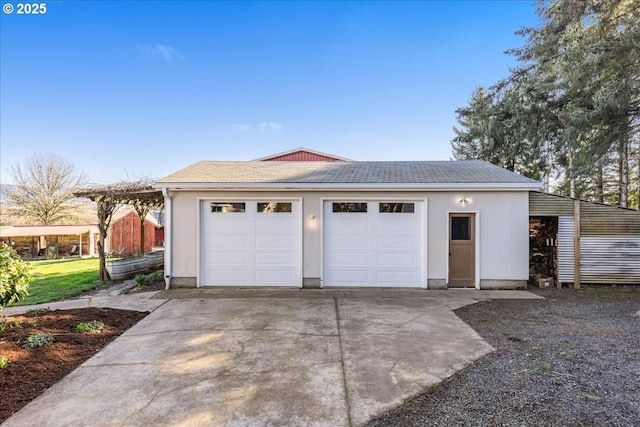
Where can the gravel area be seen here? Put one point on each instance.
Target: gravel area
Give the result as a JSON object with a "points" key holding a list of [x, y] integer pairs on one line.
{"points": [[572, 359]]}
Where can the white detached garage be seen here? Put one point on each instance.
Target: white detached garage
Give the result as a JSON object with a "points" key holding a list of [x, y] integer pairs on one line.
{"points": [[347, 224]]}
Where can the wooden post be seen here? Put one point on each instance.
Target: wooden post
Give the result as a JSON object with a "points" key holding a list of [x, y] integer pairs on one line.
{"points": [[576, 244]]}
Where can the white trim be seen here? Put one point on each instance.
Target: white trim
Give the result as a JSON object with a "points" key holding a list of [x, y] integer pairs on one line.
{"points": [[476, 258], [300, 226], [425, 244], [270, 186], [168, 241], [423, 223]]}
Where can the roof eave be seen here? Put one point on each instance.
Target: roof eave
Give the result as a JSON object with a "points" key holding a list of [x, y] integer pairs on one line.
{"points": [[287, 186]]}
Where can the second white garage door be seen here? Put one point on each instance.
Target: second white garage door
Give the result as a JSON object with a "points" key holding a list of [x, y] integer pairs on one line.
{"points": [[249, 243], [373, 244]]}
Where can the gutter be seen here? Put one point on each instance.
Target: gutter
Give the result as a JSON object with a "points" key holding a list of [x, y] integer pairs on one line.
{"points": [[168, 241], [270, 186]]}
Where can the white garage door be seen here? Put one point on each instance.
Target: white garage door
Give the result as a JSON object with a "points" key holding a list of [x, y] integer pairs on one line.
{"points": [[248, 243], [373, 244]]}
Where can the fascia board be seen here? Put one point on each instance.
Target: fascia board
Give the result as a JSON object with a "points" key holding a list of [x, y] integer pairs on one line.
{"points": [[349, 186]]}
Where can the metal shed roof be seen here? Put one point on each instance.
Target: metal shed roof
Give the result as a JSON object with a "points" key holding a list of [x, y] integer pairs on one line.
{"points": [[47, 230]]}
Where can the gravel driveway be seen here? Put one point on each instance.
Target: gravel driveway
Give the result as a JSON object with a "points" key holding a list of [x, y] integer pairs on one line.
{"points": [[570, 360]]}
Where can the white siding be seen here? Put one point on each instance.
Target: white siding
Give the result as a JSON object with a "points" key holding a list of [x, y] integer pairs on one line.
{"points": [[502, 221]]}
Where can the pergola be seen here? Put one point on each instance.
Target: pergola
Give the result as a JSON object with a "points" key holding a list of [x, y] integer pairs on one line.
{"points": [[141, 195]]}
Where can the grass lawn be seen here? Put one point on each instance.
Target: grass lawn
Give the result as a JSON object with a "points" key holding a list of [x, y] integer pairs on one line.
{"points": [[54, 280]]}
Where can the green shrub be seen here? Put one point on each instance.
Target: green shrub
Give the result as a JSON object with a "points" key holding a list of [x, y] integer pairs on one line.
{"points": [[36, 312], [141, 280], [89, 327], [52, 253], [156, 276], [3, 326], [4, 363], [39, 340], [15, 276]]}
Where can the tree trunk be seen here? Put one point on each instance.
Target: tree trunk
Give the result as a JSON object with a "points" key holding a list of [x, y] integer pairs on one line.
{"points": [[638, 178], [600, 184], [623, 169], [572, 177]]}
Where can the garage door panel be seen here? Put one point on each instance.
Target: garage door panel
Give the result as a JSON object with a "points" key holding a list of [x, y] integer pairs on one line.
{"points": [[275, 258], [350, 276], [349, 258], [350, 225], [228, 226], [351, 242], [250, 248], [274, 242], [373, 248], [275, 277], [396, 278], [227, 258], [396, 259], [271, 226], [227, 243], [398, 242], [399, 226], [230, 277]]}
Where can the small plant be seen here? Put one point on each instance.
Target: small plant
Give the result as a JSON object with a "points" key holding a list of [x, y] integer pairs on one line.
{"points": [[103, 310], [156, 276], [141, 280], [90, 327], [33, 323], [4, 363], [39, 340], [590, 397], [36, 311], [17, 323], [3, 326], [52, 253]]}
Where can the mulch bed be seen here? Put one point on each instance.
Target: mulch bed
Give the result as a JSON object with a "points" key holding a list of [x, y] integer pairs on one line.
{"points": [[31, 371]]}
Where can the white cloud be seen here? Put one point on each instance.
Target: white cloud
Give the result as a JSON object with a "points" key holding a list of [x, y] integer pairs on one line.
{"points": [[167, 53], [243, 128], [270, 126], [263, 126]]}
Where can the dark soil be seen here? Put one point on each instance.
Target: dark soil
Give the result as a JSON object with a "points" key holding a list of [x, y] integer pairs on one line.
{"points": [[570, 360], [158, 285], [31, 371]]}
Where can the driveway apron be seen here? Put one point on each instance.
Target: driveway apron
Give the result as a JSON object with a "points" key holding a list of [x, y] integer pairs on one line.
{"points": [[263, 362]]}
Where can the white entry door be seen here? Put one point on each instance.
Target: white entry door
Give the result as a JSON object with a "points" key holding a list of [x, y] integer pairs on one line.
{"points": [[373, 244], [250, 243]]}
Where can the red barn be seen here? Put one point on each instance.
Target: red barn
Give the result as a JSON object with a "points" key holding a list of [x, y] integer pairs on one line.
{"points": [[303, 155], [123, 238]]}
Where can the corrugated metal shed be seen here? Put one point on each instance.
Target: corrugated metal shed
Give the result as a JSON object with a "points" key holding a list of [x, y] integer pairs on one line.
{"points": [[609, 239], [544, 204], [607, 221], [596, 219], [565, 249]]}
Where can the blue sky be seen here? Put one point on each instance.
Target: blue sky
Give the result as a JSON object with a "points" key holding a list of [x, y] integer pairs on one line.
{"points": [[128, 89]]}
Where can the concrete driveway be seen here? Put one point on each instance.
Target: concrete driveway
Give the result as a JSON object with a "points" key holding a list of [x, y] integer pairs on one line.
{"points": [[273, 358]]}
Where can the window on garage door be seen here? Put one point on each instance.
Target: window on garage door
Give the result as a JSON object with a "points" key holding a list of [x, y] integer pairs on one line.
{"points": [[389, 207], [349, 207], [226, 207], [274, 207]]}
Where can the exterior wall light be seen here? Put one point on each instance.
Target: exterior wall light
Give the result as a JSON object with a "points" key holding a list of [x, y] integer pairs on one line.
{"points": [[463, 200], [312, 216]]}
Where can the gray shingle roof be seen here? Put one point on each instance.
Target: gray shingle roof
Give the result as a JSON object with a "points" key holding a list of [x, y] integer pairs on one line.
{"points": [[396, 172]]}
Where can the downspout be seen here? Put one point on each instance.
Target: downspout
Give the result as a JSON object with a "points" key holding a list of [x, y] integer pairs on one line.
{"points": [[167, 237]]}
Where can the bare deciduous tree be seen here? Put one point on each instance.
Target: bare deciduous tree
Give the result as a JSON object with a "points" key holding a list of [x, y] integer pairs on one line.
{"points": [[44, 185]]}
